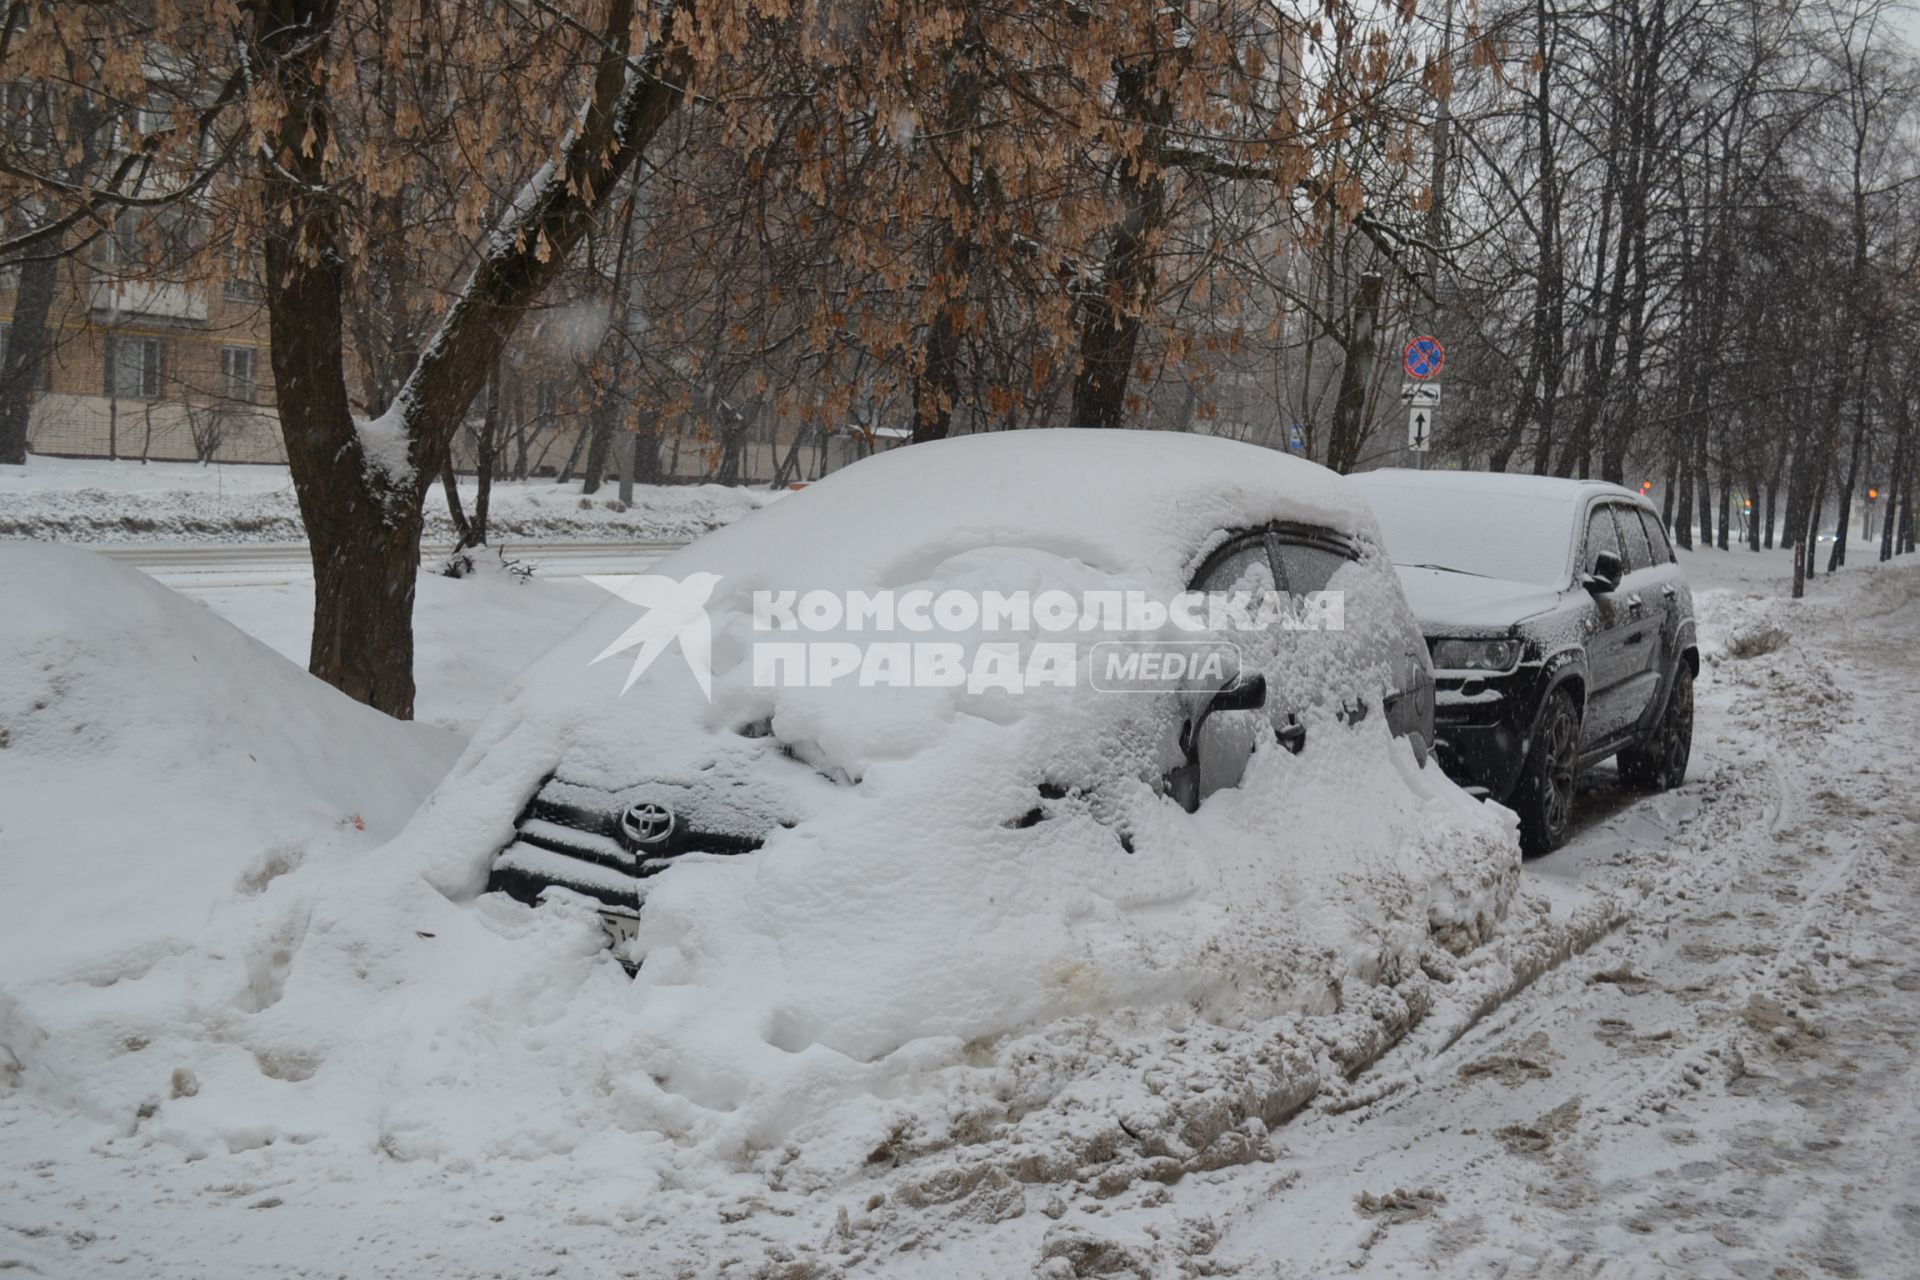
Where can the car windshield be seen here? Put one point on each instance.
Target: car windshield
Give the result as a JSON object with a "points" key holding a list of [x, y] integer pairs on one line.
{"points": [[1518, 537]]}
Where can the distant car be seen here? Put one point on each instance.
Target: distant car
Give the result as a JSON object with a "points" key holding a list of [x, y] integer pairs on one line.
{"points": [[1561, 630], [636, 784]]}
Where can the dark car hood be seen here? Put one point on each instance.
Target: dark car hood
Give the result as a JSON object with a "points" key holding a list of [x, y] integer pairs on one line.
{"points": [[1449, 603]]}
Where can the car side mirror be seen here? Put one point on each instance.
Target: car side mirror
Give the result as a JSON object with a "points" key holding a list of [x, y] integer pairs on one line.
{"points": [[1247, 691], [1606, 575]]}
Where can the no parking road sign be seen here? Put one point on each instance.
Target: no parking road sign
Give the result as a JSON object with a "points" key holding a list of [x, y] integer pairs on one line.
{"points": [[1424, 357]]}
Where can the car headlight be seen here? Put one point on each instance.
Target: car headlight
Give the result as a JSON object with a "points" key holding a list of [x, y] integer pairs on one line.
{"points": [[1475, 655]]}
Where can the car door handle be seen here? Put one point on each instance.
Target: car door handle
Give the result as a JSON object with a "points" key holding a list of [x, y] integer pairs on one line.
{"points": [[1634, 601], [1668, 591]]}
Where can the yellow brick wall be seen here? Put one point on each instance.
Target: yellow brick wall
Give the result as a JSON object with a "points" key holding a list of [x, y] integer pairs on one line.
{"points": [[75, 416]]}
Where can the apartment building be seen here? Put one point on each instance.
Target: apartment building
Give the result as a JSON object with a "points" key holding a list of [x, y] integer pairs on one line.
{"points": [[144, 368]]}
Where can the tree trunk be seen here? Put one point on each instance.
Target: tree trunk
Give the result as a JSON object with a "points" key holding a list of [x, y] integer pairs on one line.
{"points": [[1683, 518], [1896, 488], [30, 330], [1903, 539], [1668, 490], [361, 490], [611, 405], [1726, 499], [646, 449], [29, 347], [462, 527], [1704, 478], [1112, 312], [936, 387], [485, 451], [600, 442], [362, 532], [1549, 294], [363, 586], [789, 466], [1344, 442], [472, 530], [1500, 457], [1808, 545], [1773, 493], [1838, 556]]}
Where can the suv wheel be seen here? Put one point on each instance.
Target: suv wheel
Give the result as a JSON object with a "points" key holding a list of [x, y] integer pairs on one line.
{"points": [[1544, 797], [1660, 763]]}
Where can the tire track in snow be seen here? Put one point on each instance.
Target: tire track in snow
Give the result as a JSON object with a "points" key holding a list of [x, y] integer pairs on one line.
{"points": [[1646, 1148]]}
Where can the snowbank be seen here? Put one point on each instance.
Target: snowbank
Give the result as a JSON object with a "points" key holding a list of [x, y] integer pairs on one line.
{"points": [[159, 768], [87, 500]]}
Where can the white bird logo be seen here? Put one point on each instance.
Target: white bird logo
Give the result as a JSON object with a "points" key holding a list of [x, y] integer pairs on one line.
{"points": [[676, 610]]}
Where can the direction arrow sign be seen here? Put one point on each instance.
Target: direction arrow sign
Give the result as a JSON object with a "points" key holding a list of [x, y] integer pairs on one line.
{"points": [[1421, 395], [1420, 430]]}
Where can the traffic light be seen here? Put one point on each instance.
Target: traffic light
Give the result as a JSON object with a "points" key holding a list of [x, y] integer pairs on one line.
{"points": [[1646, 486], [1873, 495], [1749, 504]]}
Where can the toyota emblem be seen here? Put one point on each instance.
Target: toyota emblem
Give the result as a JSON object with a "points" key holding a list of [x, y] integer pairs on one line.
{"points": [[647, 823]]}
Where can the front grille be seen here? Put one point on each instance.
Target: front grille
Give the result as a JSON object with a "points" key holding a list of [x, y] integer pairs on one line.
{"points": [[569, 835]]}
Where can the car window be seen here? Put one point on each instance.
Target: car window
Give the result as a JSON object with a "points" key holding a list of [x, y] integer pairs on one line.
{"points": [[1455, 529], [1601, 536], [1634, 535], [1229, 567], [1308, 568], [1305, 557], [1657, 537]]}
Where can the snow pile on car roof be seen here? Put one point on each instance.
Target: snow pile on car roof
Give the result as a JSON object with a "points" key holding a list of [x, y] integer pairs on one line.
{"points": [[982, 917], [1134, 500]]}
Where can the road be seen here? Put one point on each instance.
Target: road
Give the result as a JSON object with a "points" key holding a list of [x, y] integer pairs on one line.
{"points": [[209, 565], [1726, 1084]]}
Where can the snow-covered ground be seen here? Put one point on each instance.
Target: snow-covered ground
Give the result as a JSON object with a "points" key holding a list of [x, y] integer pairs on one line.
{"points": [[1689, 1050], [472, 635], [96, 501]]}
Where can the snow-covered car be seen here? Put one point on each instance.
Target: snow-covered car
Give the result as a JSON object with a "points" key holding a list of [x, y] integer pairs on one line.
{"points": [[776, 759], [1561, 631]]}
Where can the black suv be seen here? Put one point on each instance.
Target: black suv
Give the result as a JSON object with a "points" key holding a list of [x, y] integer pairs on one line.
{"points": [[1561, 631]]}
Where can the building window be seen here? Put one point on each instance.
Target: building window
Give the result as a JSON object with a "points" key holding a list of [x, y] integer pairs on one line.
{"points": [[243, 277], [236, 374], [133, 367], [44, 380], [27, 109]]}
